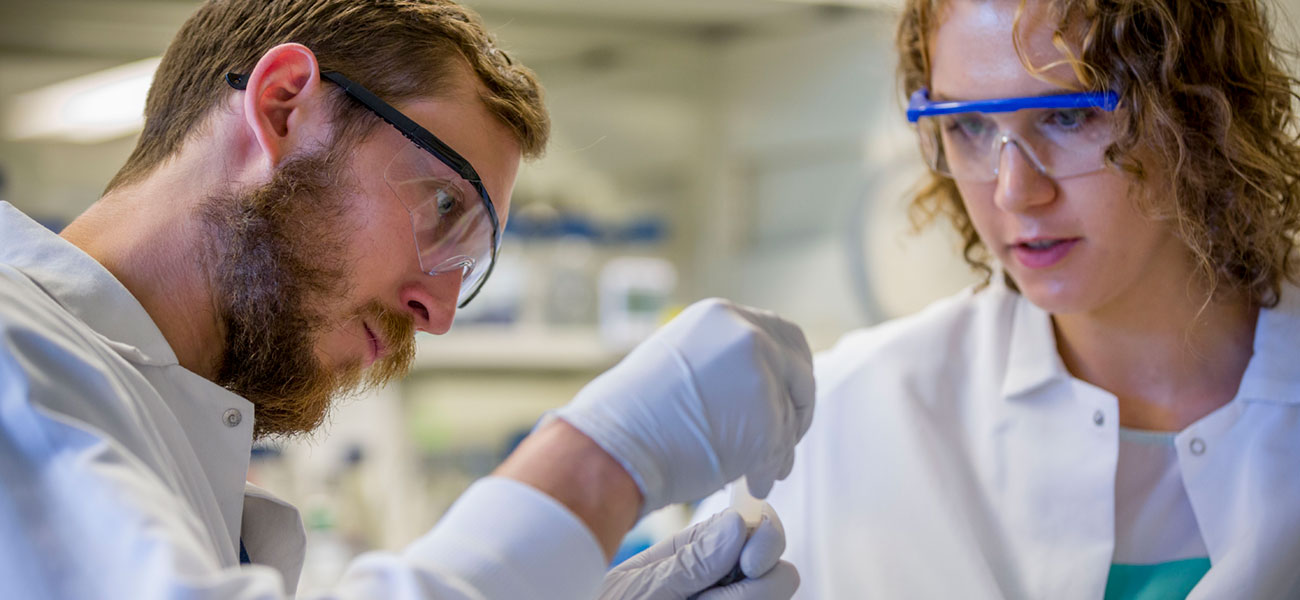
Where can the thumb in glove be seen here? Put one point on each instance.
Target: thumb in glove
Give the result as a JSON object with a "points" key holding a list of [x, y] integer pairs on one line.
{"points": [[676, 568]]}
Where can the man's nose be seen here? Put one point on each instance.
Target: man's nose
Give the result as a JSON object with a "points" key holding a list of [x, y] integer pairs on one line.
{"points": [[431, 301], [1021, 186]]}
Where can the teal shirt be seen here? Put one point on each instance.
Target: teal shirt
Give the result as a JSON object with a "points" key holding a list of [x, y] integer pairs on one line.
{"points": [[1161, 581]]}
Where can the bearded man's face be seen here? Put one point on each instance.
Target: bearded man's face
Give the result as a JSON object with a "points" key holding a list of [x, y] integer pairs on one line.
{"points": [[280, 267], [316, 274]]}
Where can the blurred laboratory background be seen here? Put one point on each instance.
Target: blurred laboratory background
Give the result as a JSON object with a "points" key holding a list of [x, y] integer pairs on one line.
{"points": [[751, 149]]}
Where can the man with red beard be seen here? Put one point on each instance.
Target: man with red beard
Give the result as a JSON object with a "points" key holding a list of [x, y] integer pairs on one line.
{"points": [[317, 180]]}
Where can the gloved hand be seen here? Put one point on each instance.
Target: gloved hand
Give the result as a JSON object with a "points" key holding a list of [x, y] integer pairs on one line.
{"points": [[719, 392], [697, 557]]}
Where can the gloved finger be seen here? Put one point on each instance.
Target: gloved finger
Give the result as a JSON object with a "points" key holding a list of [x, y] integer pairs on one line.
{"points": [[759, 484], [794, 359], [799, 399], [786, 466], [792, 349], [709, 555], [779, 584], [667, 547], [798, 372], [765, 545], [801, 385], [789, 334], [803, 395], [781, 463]]}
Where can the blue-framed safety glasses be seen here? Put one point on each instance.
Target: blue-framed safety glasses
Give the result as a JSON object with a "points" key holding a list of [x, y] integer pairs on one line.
{"points": [[454, 223], [1061, 135]]}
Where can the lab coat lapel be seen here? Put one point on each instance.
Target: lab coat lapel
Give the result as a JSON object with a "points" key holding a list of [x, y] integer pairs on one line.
{"points": [[1241, 465], [1058, 497], [1032, 360], [273, 532]]}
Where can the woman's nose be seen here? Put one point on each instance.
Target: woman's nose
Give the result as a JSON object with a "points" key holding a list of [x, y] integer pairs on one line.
{"points": [[1021, 186]]}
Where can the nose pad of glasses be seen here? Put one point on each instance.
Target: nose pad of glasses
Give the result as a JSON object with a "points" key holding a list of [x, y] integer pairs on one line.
{"points": [[1025, 151], [460, 262]]}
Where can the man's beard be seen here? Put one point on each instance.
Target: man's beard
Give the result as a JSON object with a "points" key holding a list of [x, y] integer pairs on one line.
{"points": [[277, 259]]}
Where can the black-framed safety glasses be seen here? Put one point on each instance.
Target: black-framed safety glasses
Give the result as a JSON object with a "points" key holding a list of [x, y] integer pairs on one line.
{"points": [[437, 186]]}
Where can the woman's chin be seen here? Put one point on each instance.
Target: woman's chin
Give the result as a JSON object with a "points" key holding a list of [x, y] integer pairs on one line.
{"points": [[1054, 296]]}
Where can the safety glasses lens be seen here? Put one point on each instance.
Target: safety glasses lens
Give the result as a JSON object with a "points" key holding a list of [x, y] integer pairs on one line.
{"points": [[450, 221], [1060, 142]]}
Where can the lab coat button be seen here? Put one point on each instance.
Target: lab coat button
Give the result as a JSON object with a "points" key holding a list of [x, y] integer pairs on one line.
{"points": [[1197, 446], [232, 417], [1099, 418]]}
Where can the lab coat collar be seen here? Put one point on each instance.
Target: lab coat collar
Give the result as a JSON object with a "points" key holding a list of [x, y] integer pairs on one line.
{"points": [[87, 290], [1032, 360], [82, 286], [1273, 375]]}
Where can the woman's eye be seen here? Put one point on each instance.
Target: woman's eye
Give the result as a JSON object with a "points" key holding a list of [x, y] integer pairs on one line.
{"points": [[969, 125], [1069, 118]]}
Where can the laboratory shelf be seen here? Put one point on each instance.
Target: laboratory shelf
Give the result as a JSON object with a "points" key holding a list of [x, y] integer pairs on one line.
{"points": [[492, 348]]}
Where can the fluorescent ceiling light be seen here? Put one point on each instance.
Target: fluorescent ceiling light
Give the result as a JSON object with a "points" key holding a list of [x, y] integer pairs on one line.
{"points": [[87, 109]]}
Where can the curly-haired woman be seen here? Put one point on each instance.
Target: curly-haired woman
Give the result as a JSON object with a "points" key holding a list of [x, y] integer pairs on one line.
{"points": [[1116, 412]]}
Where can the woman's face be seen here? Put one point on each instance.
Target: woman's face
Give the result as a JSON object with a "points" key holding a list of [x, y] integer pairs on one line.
{"points": [[1072, 245]]}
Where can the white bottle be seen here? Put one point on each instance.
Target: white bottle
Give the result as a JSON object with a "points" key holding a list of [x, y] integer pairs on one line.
{"points": [[634, 295]]}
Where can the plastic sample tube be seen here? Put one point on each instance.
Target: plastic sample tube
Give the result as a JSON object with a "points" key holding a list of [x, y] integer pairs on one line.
{"points": [[749, 507], [751, 510]]}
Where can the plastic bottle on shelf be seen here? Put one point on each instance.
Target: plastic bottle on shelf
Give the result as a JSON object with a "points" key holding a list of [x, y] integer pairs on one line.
{"points": [[570, 296], [635, 287], [357, 523], [499, 302]]}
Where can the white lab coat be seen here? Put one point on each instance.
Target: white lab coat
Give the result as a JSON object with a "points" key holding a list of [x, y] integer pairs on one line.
{"points": [[953, 456], [122, 474]]}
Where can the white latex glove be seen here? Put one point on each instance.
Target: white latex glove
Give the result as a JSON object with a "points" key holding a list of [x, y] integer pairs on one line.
{"points": [[692, 561], [719, 392]]}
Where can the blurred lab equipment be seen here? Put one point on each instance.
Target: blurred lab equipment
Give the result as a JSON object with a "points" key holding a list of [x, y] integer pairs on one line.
{"points": [[636, 286], [634, 294]]}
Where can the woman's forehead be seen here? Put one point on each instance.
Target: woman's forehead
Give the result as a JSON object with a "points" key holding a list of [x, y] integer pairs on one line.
{"points": [[973, 54]]}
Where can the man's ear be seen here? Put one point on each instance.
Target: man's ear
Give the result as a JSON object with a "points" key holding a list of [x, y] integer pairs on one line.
{"points": [[284, 104]]}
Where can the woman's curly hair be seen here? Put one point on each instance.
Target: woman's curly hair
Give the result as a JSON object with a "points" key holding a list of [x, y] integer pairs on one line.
{"points": [[1204, 89]]}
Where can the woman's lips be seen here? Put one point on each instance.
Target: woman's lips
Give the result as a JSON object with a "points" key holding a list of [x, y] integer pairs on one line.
{"points": [[1041, 253]]}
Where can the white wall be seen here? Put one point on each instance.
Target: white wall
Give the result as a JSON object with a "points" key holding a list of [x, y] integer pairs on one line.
{"points": [[812, 152], [770, 151]]}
